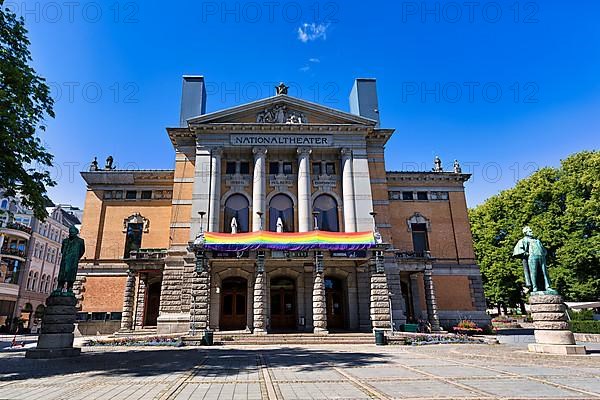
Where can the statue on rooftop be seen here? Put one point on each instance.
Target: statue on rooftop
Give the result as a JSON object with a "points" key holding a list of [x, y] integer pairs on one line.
{"points": [[109, 163], [437, 164], [94, 164], [457, 168], [533, 253]]}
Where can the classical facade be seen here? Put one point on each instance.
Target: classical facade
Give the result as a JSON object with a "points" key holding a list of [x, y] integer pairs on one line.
{"points": [[286, 166]]}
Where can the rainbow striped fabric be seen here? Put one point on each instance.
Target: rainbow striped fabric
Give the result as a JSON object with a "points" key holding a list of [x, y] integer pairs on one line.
{"points": [[292, 241]]}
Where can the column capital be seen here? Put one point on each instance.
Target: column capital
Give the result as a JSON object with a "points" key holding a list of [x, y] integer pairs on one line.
{"points": [[216, 151], [304, 151], [346, 152], [259, 151]]}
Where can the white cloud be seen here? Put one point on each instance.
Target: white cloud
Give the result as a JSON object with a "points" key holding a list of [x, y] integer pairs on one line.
{"points": [[314, 60], [305, 68], [309, 32]]}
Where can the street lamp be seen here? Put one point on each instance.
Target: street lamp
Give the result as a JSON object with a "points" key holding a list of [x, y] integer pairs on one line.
{"points": [[316, 220], [319, 262], [202, 214]]}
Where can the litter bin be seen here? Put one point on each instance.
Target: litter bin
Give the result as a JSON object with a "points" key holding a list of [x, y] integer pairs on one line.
{"points": [[379, 337], [208, 338]]}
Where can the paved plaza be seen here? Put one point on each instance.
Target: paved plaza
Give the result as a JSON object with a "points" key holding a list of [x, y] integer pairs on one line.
{"points": [[302, 372]]}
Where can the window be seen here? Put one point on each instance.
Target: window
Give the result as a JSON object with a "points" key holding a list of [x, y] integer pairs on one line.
{"points": [[98, 316], [4, 204], [407, 196], [330, 168], [146, 194], [421, 195], [237, 206], [118, 194], [29, 280], [419, 236], [287, 168], [133, 238], [317, 169], [115, 316], [244, 168], [439, 195], [281, 207], [230, 168], [327, 218], [130, 194], [108, 195], [274, 168], [34, 282]]}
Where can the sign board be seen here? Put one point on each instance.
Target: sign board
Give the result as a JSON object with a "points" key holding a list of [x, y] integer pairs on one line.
{"points": [[240, 139]]}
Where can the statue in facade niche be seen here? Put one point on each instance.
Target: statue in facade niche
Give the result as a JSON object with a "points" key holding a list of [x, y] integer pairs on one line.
{"points": [[533, 253], [71, 251], [234, 225], [279, 224]]}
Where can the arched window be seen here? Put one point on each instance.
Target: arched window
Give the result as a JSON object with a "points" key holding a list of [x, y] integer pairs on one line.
{"points": [[34, 283], [4, 204], [29, 279], [327, 218], [237, 206], [281, 206]]}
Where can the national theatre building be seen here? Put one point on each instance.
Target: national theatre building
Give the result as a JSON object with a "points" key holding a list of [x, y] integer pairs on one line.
{"points": [[279, 216]]}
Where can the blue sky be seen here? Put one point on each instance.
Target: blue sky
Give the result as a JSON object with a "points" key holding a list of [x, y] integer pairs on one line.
{"points": [[503, 86]]}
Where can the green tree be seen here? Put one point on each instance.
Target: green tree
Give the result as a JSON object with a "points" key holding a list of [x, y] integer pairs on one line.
{"points": [[562, 206], [24, 103]]}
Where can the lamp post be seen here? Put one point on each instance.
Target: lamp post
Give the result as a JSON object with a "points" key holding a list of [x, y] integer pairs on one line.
{"points": [[373, 214], [202, 214]]}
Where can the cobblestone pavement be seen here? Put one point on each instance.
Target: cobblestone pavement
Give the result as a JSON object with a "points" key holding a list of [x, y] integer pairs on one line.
{"points": [[302, 372]]}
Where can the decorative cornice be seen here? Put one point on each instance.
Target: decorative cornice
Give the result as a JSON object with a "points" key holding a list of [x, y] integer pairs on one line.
{"points": [[403, 176]]}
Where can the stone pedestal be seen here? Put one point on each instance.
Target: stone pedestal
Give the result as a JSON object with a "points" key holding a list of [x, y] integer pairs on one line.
{"points": [[551, 329], [58, 324]]}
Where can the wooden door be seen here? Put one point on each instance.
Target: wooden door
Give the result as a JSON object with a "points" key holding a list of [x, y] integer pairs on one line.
{"points": [[233, 304], [334, 296], [152, 304], [283, 304]]}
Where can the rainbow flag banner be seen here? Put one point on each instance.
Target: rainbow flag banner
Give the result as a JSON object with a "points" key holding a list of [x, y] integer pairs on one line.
{"points": [[291, 241]]}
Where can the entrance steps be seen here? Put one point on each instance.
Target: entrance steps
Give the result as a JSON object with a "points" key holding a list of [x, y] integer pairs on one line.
{"points": [[236, 338]]}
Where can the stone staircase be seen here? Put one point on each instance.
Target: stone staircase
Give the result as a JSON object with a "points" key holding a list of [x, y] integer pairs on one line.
{"points": [[230, 338]]}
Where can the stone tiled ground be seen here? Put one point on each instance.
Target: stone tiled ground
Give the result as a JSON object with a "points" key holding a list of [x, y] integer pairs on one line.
{"points": [[302, 372]]}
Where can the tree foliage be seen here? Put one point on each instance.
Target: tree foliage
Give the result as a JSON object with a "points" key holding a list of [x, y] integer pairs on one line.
{"points": [[24, 103], [562, 206]]}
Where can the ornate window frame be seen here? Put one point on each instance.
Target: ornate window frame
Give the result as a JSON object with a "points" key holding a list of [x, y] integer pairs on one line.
{"points": [[137, 218], [418, 218]]}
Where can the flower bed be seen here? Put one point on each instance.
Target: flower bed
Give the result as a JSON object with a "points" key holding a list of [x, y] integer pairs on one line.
{"points": [[426, 339], [467, 327], [134, 341]]}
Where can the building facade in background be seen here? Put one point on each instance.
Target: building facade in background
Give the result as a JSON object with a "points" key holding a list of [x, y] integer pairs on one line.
{"points": [[30, 259], [280, 164]]}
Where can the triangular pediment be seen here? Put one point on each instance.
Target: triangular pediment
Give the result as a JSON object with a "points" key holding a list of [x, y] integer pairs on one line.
{"points": [[281, 109]]}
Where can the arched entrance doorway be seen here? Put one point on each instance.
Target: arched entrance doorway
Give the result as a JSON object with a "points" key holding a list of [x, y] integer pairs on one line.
{"points": [[152, 304], [233, 304], [336, 308], [283, 304]]}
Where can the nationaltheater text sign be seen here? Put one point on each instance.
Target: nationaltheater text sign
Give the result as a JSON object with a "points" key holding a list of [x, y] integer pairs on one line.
{"points": [[281, 140]]}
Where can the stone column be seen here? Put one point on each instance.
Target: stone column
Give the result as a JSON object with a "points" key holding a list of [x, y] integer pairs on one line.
{"points": [[200, 309], [215, 189], [430, 300], [304, 190], [259, 186], [140, 302], [379, 301], [128, 298], [260, 295], [319, 304], [348, 191]]}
